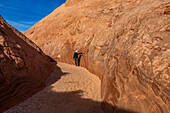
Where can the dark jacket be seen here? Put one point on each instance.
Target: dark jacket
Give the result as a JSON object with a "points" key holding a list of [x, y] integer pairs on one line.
{"points": [[75, 55]]}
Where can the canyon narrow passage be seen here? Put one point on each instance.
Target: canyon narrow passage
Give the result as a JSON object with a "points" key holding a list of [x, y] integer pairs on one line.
{"points": [[70, 89]]}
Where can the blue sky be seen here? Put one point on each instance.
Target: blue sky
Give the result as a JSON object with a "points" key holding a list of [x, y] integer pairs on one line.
{"points": [[22, 14]]}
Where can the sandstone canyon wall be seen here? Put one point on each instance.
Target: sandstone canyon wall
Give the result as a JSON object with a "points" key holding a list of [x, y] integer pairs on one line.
{"points": [[23, 67], [125, 42]]}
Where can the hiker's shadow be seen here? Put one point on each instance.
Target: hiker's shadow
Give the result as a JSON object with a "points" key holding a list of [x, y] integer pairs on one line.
{"points": [[56, 74], [79, 58]]}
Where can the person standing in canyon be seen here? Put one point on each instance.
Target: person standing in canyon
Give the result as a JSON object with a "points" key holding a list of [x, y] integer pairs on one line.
{"points": [[76, 57]]}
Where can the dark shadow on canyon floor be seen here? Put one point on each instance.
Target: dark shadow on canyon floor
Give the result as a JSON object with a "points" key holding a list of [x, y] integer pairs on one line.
{"points": [[56, 74], [54, 77], [73, 102], [66, 102]]}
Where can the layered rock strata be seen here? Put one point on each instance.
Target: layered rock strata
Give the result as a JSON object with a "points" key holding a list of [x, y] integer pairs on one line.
{"points": [[23, 67], [126, 43]]}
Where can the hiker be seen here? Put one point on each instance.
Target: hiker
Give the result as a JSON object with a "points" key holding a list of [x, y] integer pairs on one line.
{"points": [[76, 57]]}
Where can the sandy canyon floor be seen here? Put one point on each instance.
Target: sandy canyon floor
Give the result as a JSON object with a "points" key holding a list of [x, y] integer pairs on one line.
{"points": [[70, 89]]}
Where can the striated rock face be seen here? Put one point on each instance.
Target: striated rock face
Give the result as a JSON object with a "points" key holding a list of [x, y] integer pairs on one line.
{"points": [[125, 42], [72, 2], [23, 67]]}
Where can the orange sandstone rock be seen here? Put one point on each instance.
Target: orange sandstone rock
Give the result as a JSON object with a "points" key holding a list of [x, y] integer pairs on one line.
{"points": [[125, 43], [23, 67]]}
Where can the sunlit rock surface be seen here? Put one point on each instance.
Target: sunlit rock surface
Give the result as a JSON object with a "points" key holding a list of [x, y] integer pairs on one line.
{"points": [[125, 42]]}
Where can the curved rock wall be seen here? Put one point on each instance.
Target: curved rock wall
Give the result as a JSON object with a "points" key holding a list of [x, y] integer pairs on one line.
{"points": [[125, 43], [23, 67]]}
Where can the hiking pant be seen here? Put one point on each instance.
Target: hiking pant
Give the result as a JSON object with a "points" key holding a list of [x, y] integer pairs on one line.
{"points": [[76, 61]]}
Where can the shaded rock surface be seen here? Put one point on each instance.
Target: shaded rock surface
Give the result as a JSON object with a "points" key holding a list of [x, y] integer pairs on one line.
{"points": [[23, 67], [125, 42], [69, 89]]}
